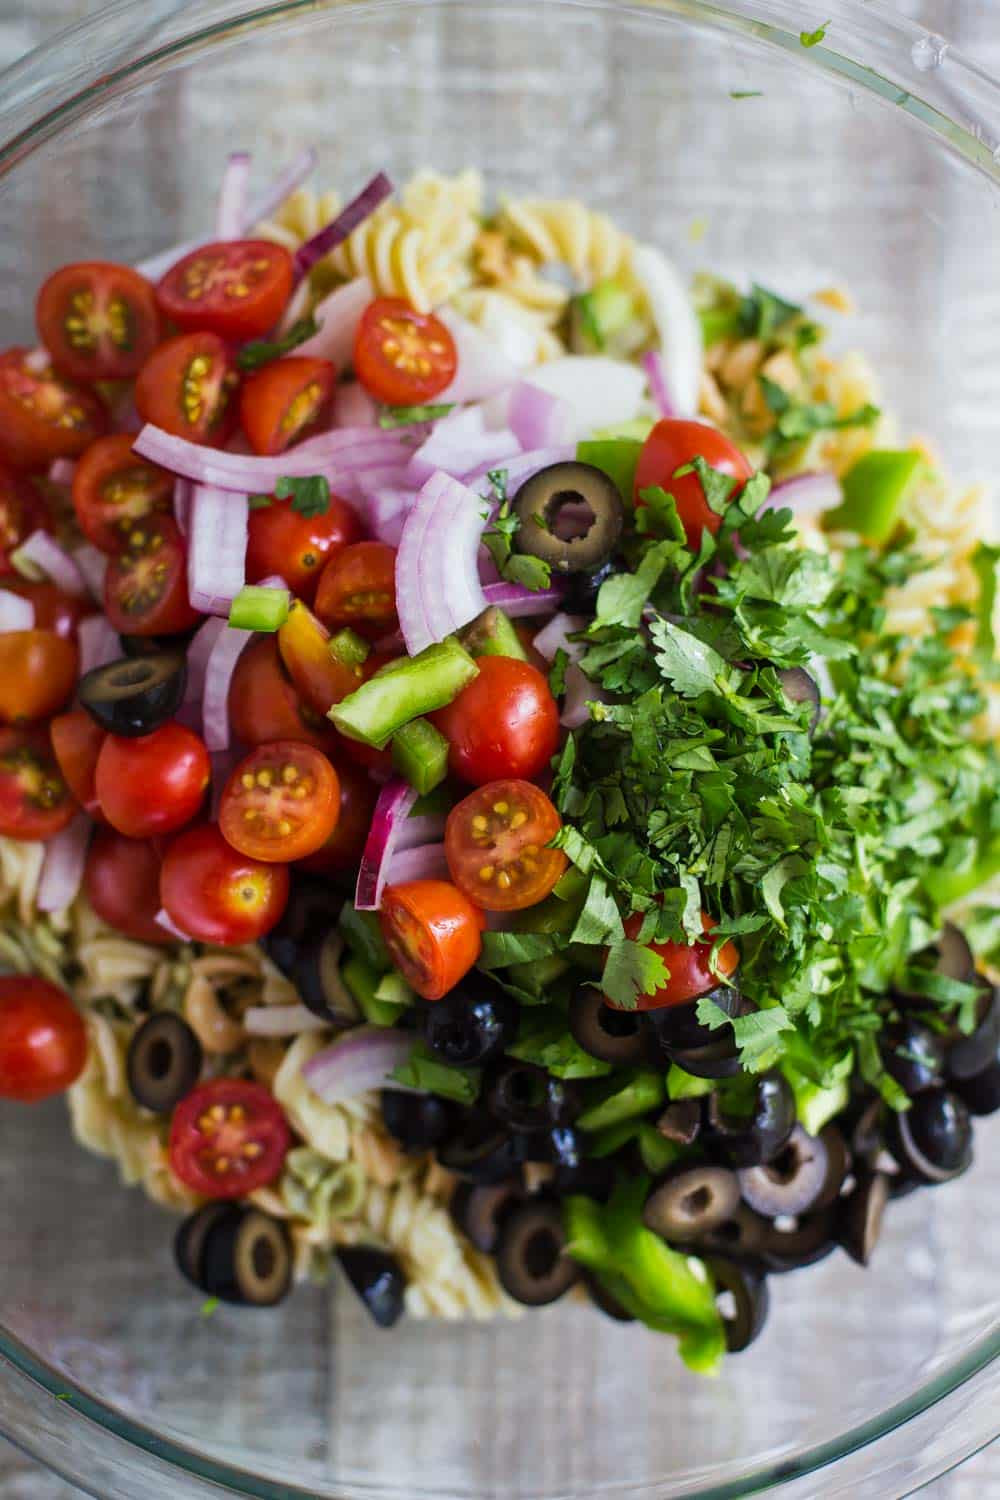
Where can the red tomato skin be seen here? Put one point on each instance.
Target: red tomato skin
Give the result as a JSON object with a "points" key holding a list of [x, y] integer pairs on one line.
{"points": [[281, 403], [109, 288], [264, 705], [154, 784], [690, 974], [153, 543], [34, 800], [76, 744], [342, 851], [261, 1119], [54, 610], [122, 883], [27, 439], [427, 358], [309, 810], [452, 928], [187, 386], [283, 541], [22, 511], [358, 590], [247, 316], [503, 725], [674, 443], [109, 458], [37, 674], [217, 895], [43, 1041]]}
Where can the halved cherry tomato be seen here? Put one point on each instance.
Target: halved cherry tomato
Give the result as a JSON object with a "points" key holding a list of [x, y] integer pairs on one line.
{"points": [[264, 706], [358, 590], [688, 966], [122, 882], [228, 1137], [186, 387], [218, 895], [282, 401], [98, 321], [113, 489], [343, 849], [43, 1041], [320, 677], [235, 288], [280, 803], [674, 443], [54, 609], [34, 799], [152, 784], [37, 674], [494, 842], [42, 416], [76, 743], [146, 585], [401, 356], [22, 511], [505, 722], [283, 541], [433, 933]]}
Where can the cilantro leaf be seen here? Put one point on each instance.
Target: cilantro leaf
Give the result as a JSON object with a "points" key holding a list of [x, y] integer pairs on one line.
{"points": [[599, 920], [427, 1073], [755, 1034], [557, 673], [406, 416], [630, 971], [259, 502], [503, 948], [716, 486], [986, 562], [262, 351], [658, 515], [622, 598], [813, 38], [310, 496], [746, 93], [690, 665], [797, 420], [516, 567]]}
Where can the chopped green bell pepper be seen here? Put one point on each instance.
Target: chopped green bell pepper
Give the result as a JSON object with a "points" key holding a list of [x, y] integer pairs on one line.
{"points": [[642, 1092], [404, 690], [420, 754], [874, 490], [492, 634]]}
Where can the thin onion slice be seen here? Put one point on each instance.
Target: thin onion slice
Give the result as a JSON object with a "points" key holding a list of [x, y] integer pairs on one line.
{"points": [[437, 572], [336, 455], [483, 368], [282, 1020], [599, 390], [519, 602], [394, 805], [183, 500], [63, 865], [807, 495], [218, 676], [555, 637], [677, 325], [333, 234], [16, 612], [231, 213], [198, 654], [517, 470], [353, 406], [61, 471], [281, 187], [217, 548], [43, 551], [418, 829], [425, 862], [459, 443], [338, 316], [360, 1060], [92, 566], [580, 692], [98, 642], [656, 371], [539, 419]]}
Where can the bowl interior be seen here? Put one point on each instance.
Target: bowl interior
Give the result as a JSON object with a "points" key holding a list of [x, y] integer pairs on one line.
{"points": [[816, 180]]}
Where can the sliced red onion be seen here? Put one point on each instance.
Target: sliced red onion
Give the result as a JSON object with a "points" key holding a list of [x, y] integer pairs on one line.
{"points": [[338, 316], [92, 566], [518, 469], [579, 692], [391, 477], [483, 368], [126, 416], [555, 637], [360, 1060], [395, 802], [437, 575], [282, 1020], [336, 455], [198, 653], [459, 443], [807, 494], [231, 213], [659, 388], [16, 612], [169, 925], [519, 602], [63, 865], [280, 187], [425, 862], [537, 418], [217, 548], [61, 471], [218, 677], [45, 552], [390, 531], [677, 325], [420, 828], [183, 500], [356, 212], [600, 391], [353, 407], [98, 642]]}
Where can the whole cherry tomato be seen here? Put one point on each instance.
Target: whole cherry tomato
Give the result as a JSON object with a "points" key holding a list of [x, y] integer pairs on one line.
{"points": [[495, 840], [235, 288], [153, 784], [228, 1137], [401, 356], [37, 674], [280, 403], [671, 445], [122, 882], [98, 321], [114, 490], [504, 723], [217, 895], [187, 386], [42, 416], [433, 933], [687, 965], [294, 546], [281, 802], [43, 1043]]}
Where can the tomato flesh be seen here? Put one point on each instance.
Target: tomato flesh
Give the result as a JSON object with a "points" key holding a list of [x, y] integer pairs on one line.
{"points": [[122, 882], [670, 446], [285, 542], [284, 400], [114, 490], [146, 585], [153, 784], [358, 590], [264, 705], [98, 321], [320, 677], [218, 895], [342, 850], [228, 1137], [37, 674], [42, 416], [433, 933], [688, 965], [401, 356], [494, 842], [280, 803], [43, 1042], [186, 387], [34, 800], [235, 288], [504, 723], [76, 744], [22, 511]]}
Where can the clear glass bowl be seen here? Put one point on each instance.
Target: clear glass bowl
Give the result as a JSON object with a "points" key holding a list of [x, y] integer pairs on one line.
{"points": [[871, 161]]}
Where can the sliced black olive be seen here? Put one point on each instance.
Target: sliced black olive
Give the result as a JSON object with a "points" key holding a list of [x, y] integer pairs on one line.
{"points": [[602, 1298], [312, 911], [866, 1133], [582, 589], [838, 1164], [933, 1138], [969, 1055], [614, 1036], [164, 1062], [812, 1239], [480, 1211], [483, 1152], [571, 516], [680, 1122], [913, 1055], [152, 645], [561, 1146], [743, 1234], [950, 956], [793, 1182], [192, 1235], [416, 1121], [688, 1201], [718, 1059], [472, 1024], [676, 1027], [531, 1260], [247, 1259], [860, 1215], [746, 1286], [524, 1097], [981, 1094], [753, 1140], [593, 1178], [797, 685], [378, 1279], [135, 695]]}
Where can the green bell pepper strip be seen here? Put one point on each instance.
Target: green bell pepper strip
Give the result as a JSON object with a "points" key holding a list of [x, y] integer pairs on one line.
{"points": [[404, 690], [420, 754], [599, 314], [642, 1092], [349, 648], [364, 983], [492, 634], [874, 490], [256, 608], [681, 1085]]}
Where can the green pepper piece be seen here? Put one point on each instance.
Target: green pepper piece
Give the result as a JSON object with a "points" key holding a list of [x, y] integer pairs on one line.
{"points": [[946, 886], [363, 935], [613, 1138], [597, 315], [349, 648], [392, 989], [403, 690], [256, 608], [616, 457], [815, 1106], [420, 754], [874, 490], [492, 634], [656, 1151], [537, 976], [681, 1085], [363, 982], [642, 1092]]}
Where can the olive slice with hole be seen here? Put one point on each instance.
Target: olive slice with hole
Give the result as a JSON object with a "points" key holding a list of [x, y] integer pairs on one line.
{"points": [[742, 1299], [192, 1236], [247, 1259], [680, 1122], [603, 1299], [689, 1200], [788, 1246], [483, 1151], [799, 687], [792, 1182], [755, 1139], [614, 1036], [676, 1027], [571, 516], [969, 1055], [479, 1211], [136, 695], [378, 1279], [163, 1063], [527, 1098], [742, 1234], [472, 1024], [718, 1059], [416, 1121], [981, 1094], [860, 1216], [866, 1133], [582, 589], [838, 1164], [532, 1263], [913, 1056], [951, 957], [933, 1138]]}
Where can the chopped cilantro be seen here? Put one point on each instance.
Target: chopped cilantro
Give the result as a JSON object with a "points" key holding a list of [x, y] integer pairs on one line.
{"points": [[630, 971], [813, 38], [746, 93], [557, 673], [262, 351], [310, 496], [796, 420], [516, 567], [406, 416], [210, 1306]]}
